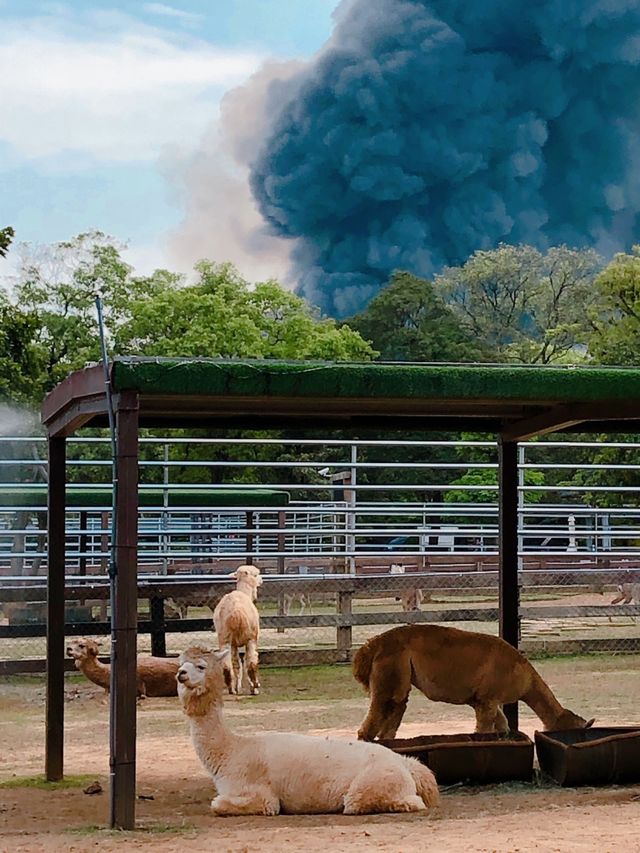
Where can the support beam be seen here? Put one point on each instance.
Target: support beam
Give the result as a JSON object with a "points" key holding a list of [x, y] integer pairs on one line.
{"points": [[508, 546], [124, 618], [551, 420], [54, 747]]}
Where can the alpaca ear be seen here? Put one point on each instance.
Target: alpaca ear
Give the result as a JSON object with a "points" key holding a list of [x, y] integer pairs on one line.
{"points": [[221, 654], [589, 723]]}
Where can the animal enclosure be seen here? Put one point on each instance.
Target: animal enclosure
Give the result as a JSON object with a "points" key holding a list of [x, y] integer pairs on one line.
{"points": [[175, 792]]}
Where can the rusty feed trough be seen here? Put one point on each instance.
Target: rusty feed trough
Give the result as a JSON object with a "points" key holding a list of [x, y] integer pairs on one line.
{"points": [[476, 759], [596, 756]]}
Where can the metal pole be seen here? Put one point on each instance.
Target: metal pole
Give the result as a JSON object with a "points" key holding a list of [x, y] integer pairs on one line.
{"points": [[54, 736], [124, 620]]}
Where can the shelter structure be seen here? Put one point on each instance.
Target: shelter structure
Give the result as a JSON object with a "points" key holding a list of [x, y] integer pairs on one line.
{"points": [[513, 402]]}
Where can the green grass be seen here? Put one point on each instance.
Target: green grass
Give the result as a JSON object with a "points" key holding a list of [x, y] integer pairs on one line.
{"points": [[39, 782], [307, 683]]}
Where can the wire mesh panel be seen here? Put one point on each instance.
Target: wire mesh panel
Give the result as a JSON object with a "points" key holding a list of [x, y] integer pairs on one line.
{"points": [[352, 537]]}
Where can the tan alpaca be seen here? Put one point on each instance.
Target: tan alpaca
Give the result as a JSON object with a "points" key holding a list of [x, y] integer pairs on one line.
{"points": [[411, 599], [302, 597], [628, 593], [449, 665], [273, 772], [237, 623], [155, 676]]}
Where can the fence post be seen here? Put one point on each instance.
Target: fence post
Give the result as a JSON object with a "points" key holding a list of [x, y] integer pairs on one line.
{"points": [[344, 634], [282, 544], [509, 594], [250, 524], [158, 627]]}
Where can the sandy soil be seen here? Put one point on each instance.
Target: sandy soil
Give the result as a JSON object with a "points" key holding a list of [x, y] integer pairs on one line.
{"points": [[173, 814]]}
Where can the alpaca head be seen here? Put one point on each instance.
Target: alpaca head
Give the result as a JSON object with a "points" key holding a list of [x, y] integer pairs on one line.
{"points": [[248, 576], [569, 720], [200, 678], [82, 649]]}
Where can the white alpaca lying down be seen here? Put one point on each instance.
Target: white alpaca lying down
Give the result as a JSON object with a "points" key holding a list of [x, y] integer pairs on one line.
{"points": [[276, 772]]}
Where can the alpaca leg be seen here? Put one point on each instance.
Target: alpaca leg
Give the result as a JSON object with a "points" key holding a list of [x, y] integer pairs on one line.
{"points": [[237, 669], [261, 802], [393, 720], [376, 791], [486, 714], [390, 683], [252, 666]]}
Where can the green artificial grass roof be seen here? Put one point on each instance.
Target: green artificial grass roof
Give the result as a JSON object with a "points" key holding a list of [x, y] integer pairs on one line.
{"points": [[517, 401], [247, 378], [100, 496]]}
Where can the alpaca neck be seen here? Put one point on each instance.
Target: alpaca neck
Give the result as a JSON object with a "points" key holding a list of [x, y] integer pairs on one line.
{"points": [[99, 673], [541, 700], [246, 588], [211, 738]]}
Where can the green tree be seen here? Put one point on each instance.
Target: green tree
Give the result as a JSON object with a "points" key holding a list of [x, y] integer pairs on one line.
{"points": [[408, 321], [221, 315], [6, 237], [527, 306], [615, 318], [21, 358]]}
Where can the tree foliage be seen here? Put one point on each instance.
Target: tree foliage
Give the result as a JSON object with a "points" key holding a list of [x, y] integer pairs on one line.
{"points": [[221, 315], [524, 305], [6, 238], [48, 327], [615, 319], [408, 321]]}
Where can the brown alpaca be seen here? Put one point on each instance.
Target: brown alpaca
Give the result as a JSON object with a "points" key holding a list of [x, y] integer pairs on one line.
{"points": [[449, 665], [155, 676]]}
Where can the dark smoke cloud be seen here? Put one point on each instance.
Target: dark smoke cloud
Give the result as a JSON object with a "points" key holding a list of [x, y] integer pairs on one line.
{"points": [[427, 129]]}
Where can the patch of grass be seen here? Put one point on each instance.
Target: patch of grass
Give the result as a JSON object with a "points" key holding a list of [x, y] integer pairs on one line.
{"points": [[71, 781], [307, 683]]}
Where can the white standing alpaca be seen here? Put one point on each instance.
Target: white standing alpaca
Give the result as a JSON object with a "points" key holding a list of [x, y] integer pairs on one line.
{"points": [[237, 623], [273, 772]]}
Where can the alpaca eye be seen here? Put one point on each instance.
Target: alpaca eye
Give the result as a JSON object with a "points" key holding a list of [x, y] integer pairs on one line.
{"points": [[201, 666]]}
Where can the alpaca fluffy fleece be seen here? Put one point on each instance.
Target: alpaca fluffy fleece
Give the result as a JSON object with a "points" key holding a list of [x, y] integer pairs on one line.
{"points": [[450, 665], [154, 676], [272, 772], [237, 623]]}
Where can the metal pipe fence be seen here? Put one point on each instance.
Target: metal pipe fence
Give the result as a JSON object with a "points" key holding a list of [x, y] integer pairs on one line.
{"points": [[351, 536]]}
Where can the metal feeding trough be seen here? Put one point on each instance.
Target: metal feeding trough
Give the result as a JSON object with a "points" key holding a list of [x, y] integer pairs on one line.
{"points": [[595, 756], [477, 759]]}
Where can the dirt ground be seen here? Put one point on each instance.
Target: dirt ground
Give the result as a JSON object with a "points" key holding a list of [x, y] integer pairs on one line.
{"points": [[174, 792]]}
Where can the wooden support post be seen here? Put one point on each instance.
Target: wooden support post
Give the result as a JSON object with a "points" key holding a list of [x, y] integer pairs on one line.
{"points": [[344, 634], [54, 749], [509, 598], [158, 627], [124, 619], [250, 523]]}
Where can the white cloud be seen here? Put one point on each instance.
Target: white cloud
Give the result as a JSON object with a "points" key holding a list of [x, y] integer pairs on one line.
{"points": [[188, 18], [107, 87]]}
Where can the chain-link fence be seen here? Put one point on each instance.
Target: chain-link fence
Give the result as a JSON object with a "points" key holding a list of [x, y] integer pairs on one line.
{"points": [[352, 537]]}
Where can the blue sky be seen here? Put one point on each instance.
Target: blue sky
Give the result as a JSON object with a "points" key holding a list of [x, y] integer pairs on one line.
{"points": [[100, 98]]}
